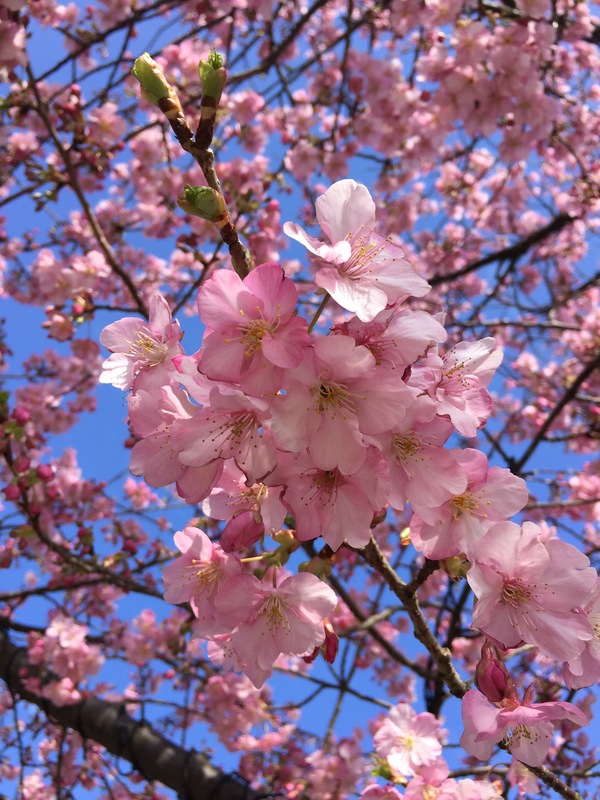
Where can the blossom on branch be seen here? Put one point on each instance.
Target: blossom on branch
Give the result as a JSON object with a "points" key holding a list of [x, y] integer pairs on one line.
{"points": [[407, 740], [253, 334], [141, 351], [525, 728], [528, 590], [361, 270], [268, 620]]}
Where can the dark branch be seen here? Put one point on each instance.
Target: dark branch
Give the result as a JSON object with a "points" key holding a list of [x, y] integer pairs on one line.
{"points": [[511, 253], [189, 773]]}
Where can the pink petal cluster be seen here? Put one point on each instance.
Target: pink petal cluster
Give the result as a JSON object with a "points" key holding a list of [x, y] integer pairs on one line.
{"points": [[268, 425], [361, 270], [491, 495], [529, 590], [253, 334], [141, 351], [525, 728], [408, 741], [256, 621]]}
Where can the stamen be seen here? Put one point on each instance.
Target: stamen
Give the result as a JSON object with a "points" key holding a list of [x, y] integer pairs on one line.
{"points": [[146, 347], [405, 445], [333, 397], [464, 504], [515, 594], [252, 335], [274, 611]]}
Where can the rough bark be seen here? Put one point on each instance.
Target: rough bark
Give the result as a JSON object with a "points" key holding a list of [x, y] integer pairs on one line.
{"points": [[187, 772]]}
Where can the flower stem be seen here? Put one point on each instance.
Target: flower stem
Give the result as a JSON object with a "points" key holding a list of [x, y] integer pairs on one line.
{"points": [[319, 311]]}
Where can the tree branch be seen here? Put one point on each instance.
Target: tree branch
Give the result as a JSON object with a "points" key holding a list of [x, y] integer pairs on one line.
{"points": [[187, 772], [511, 253]]}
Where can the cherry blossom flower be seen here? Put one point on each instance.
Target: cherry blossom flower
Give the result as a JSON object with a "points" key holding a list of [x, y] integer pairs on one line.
{"points": [[584, 668], [396, 338], [155, 456], [334, 397], [253, 333], [197, 575], [230, 427], [525, 728], [457, 382], [271, 620], [431, 782], [492, 494], [251, 511], [329, 503], [140, 347], [527, 590], [361, 270], [407, 740], [422, 470], [376, 792]]}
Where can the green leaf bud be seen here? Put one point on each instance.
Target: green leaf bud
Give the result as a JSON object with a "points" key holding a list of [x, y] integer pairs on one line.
{"points": [[213, 77], [204, 202], [153, 82]]}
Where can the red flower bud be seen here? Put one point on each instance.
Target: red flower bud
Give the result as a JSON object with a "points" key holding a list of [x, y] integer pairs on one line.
{"points": [[491, 676]]}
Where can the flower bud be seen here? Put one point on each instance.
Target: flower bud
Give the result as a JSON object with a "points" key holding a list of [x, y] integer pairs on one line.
{"points": [[405, 537], [213, 77], [329, 647], [203, 202], [12, 492], [21, 415], [316, 566], [153, 82], [456, 567], [491, 676], [331, 643]]}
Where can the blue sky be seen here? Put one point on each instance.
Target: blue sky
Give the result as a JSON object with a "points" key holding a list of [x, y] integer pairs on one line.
{"points": [[99, 436]]}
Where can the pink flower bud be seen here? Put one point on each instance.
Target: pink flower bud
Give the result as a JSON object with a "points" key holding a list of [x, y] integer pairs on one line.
{"points": [[22, 464], [21, 415], [45, 472], [12, 492], [491, 676], [332, 640]]}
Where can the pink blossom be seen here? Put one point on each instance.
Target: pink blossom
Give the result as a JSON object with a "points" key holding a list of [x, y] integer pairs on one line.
{"points": [[457, 382], [61, 692], [197, 575], [141, 347], [376, 792], [527, 590], [407, 740], [333, 398], [251, 511], [492, 494], [230, 427], [106, 125], [361, 270], [253, 333], [422, 470], [526, 728], [584, 668], [396, 338], [329, 503], [468, 789], [431, 782], [153, 416], [272, 620]]}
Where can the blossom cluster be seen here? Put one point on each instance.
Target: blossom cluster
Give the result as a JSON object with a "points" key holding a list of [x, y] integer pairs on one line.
{"points": [[275, 419]]}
